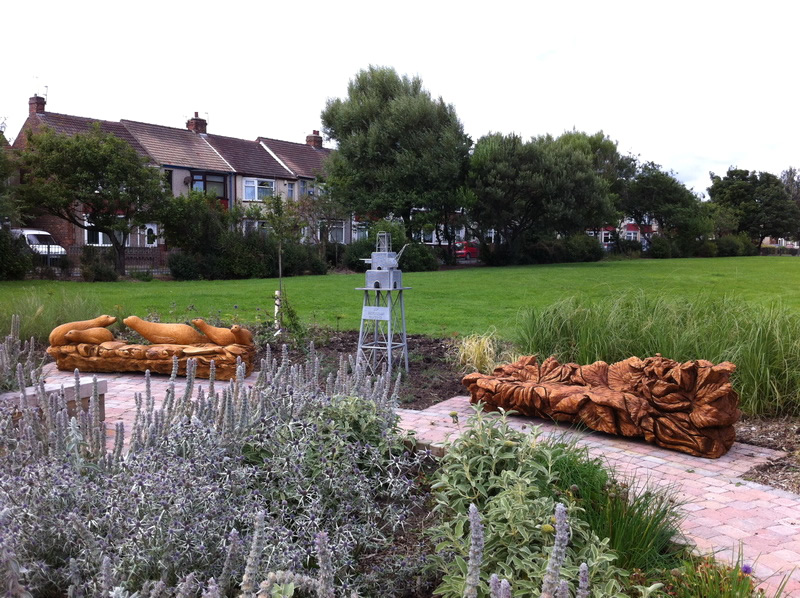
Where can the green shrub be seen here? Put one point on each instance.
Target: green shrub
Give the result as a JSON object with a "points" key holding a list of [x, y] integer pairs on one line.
{"points": [[142, 275], [418, 257], [728, 246], [356, 252], [746, 245], [628, 247], [183, 266], [15, 256], [583, 248], [97, 264], [707, 249], [660, 248], [762, 341]]}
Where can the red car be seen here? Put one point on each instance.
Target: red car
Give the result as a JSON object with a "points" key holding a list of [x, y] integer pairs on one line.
{"points": [[466, 251]]}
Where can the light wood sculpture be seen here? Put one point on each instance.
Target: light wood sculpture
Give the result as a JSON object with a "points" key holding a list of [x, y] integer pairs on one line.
{"points": [[689, 407], [90, 347], [57, 337], [156, 332], [218, 336]]}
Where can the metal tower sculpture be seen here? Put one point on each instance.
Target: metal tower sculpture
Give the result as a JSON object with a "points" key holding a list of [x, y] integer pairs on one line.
{"points": [[382, 337]]}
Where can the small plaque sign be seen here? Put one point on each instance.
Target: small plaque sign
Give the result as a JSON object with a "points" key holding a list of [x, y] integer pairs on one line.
{"points": [[374, 313]]}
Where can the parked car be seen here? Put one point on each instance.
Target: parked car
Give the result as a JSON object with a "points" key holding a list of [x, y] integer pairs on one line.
{"points": [[466, 250], [42, 244]]}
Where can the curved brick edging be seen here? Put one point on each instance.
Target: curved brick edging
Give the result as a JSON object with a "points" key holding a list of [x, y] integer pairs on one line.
{"points": [[721, 508]]}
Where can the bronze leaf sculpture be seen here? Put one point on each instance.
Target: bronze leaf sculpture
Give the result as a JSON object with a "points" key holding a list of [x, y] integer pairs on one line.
{"points": [[689, 407], [90, 347]]}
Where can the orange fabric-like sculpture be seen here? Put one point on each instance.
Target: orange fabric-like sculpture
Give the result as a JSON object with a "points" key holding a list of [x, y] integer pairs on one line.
{"points": [[689, 407]]}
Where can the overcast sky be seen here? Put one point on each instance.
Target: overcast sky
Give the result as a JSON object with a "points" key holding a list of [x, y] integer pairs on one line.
{"points": [[694, 86]]}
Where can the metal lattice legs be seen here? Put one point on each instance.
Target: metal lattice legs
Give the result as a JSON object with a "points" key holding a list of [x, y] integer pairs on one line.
{"points": [[382, 341]]}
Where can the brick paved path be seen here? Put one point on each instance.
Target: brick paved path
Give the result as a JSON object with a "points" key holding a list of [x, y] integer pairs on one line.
{"points": [[721, 508]]}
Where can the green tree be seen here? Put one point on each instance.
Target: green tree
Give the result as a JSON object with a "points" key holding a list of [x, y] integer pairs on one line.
{"points": [[93, 180], [196, 222], [653, 193], [534, 189], [399, 150], [759, 201]]}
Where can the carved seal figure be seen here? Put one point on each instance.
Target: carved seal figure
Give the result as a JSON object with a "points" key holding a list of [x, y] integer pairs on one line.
{"points": [[93, 336], [218, 336], [58, 335], [172, 334], [242, 335]]}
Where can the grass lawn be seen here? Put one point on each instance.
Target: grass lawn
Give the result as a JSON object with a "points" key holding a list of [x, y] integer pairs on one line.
{"points": [[440, 303]]}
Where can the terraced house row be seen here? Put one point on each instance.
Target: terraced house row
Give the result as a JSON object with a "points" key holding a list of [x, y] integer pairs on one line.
{"points": [[238, 171]]}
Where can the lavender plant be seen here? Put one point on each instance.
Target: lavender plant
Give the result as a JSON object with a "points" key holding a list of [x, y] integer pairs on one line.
{"points": [[173, 514]]}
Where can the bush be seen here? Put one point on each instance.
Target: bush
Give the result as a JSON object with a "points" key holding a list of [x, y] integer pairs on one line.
{"points": [[628, 247], [97, 264], [418, 257], [16, 258], [728, 246], [707, 249], [661, 248], [183, 266], [747, 247], [583, 248]]}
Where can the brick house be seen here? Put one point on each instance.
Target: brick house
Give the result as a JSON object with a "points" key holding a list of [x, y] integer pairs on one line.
{"points": [[240, 172]]}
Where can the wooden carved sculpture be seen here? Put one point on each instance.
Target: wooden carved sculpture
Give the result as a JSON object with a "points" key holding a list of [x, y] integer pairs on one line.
{"points": [[90, 347], [689, 407]]}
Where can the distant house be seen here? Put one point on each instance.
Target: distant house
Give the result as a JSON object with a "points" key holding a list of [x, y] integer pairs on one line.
{"points": [[238, 171], [627, 230]]}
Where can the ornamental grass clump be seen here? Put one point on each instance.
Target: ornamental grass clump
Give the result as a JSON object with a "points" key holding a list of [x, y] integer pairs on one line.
{"points": [[175, 514]]}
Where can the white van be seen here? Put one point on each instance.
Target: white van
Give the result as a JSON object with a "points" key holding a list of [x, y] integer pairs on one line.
{"points": [[41, 243]]}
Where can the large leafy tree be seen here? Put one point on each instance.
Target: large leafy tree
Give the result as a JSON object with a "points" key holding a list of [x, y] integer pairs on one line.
{"points": [[93, 180], [759, 201], [399, 149], [537, 188], [653, 193]]}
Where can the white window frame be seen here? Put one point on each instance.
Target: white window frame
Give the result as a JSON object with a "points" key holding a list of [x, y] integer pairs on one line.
{"points": [[256, 185]]}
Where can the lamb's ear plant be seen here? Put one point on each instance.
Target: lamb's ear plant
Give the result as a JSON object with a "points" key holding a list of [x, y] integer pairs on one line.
{"points": [[20, 364], [510, 477], [176, 509]]}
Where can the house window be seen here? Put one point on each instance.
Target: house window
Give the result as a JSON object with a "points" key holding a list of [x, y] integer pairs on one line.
{"points": [[335, 230], [213, 184], [150, 232], [606, 236], [290, 190], [306, 188], [258, 189], [96, 238], [360, 231], [631, 235]]}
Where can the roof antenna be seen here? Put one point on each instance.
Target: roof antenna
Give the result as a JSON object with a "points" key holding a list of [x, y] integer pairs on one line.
{"points": [[46, 88]]}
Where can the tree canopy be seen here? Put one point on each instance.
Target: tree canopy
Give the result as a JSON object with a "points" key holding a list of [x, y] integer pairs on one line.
{"points": [[399, 150], [759, 201], [653, 193], [93, 180], [537, 188]]}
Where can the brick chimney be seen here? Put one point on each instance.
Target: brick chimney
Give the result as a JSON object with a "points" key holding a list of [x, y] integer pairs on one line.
{"points": [[197, 124], [36, 105], [314, 140]]}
